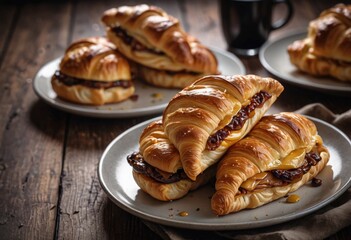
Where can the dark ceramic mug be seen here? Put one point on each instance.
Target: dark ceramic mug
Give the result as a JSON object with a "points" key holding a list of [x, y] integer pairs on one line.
{"points": [[246, 24]]}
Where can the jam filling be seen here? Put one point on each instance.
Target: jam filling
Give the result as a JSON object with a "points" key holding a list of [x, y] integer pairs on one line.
{"points": [[238, 121], [129, 40], [138, 46], [285, 177], [293, 175], [70, 81], [139, 165]]}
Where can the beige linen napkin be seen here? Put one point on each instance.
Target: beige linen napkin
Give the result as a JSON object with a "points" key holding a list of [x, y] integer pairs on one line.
{"points": [[318, 225]]}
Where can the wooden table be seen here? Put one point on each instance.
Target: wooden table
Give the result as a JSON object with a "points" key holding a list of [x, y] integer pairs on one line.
{"points": [[49, 187]]}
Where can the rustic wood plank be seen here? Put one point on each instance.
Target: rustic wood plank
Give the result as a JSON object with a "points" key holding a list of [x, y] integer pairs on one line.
{"points": [[31, 146], [85, 210], [7, 19]]}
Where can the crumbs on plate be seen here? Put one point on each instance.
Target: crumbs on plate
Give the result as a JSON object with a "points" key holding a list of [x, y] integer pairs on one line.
{"points": [[156, 97]]}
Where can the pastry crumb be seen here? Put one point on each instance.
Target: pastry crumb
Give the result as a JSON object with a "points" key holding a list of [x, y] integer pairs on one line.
{"points": [[156, 97], [183, 214]]}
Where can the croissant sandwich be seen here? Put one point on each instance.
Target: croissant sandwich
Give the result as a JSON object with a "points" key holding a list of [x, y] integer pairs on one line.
{"points": [[280, 154], [327, 49], [167, 56], [199, 124], [93, 72]]}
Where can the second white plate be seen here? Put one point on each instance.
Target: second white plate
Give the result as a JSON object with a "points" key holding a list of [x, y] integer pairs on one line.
{"points": [[275, 58], [150, 100]]}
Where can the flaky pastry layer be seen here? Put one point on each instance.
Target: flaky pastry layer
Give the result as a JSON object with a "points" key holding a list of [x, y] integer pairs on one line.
{"points": [[167, 79], [151, 37], [326, 50], [95, 58], [171, 191], [278, 141], [330, 33], [301, 56], [91, 96]]}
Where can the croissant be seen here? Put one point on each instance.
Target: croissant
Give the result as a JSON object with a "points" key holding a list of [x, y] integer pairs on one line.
{"points": [[93, 72], [207, 117], [197, 127], [149, 36], [300, 55], [326, 51], [330, 33], [151, 166], [280, 154]]}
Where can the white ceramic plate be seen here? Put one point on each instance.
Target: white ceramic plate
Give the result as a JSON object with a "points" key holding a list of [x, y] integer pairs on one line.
{"points": [[274, 57], [116, 178], [151, 100]]}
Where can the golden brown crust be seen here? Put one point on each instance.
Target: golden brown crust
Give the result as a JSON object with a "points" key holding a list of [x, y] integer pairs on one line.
{"points": [[260, 197], [330, 33], [156, 149], [278, 141], [96, 59], [91, 96], [202, 108], [326, 51], [169, 47], [301, 56], [93, 59], [171, 191], [162, 191], [166, 79], [208, 105]]}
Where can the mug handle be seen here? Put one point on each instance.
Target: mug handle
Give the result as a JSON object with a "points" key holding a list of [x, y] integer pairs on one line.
{"points": [[280, 23]]}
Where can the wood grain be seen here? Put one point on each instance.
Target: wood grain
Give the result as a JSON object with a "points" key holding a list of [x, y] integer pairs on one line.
{"points": [[85, 211], [31, 146]]}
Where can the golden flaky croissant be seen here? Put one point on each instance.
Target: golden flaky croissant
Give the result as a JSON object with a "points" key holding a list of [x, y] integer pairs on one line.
{"points": [[280, 154], [93, 72], [327, 49], [199, 124], [149, 36]]}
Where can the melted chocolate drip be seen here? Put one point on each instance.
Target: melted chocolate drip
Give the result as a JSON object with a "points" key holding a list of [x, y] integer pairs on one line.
{"points": [[139, 165], [70, 81], [129, 40]]}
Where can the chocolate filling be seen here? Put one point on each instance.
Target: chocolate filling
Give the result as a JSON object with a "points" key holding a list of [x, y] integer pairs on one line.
{"points": [[129, 40], [138, 46], [139, 165], [238, 121], [70, 81], [293, 175], [285, 177]]}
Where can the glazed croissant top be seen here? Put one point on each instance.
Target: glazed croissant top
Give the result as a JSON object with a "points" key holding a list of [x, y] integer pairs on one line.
{"points": [[157, 149], [277, 142], [95, 58], [204, 119], [161, 42], [330, 33]]}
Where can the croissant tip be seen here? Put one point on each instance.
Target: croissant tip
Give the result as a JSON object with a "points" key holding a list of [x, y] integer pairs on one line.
{"points": [[219, 203]]}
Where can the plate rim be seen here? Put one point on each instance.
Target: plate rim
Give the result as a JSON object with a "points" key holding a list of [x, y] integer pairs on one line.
{"points": [[212, 225], [126, 113], [325, 88]]}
